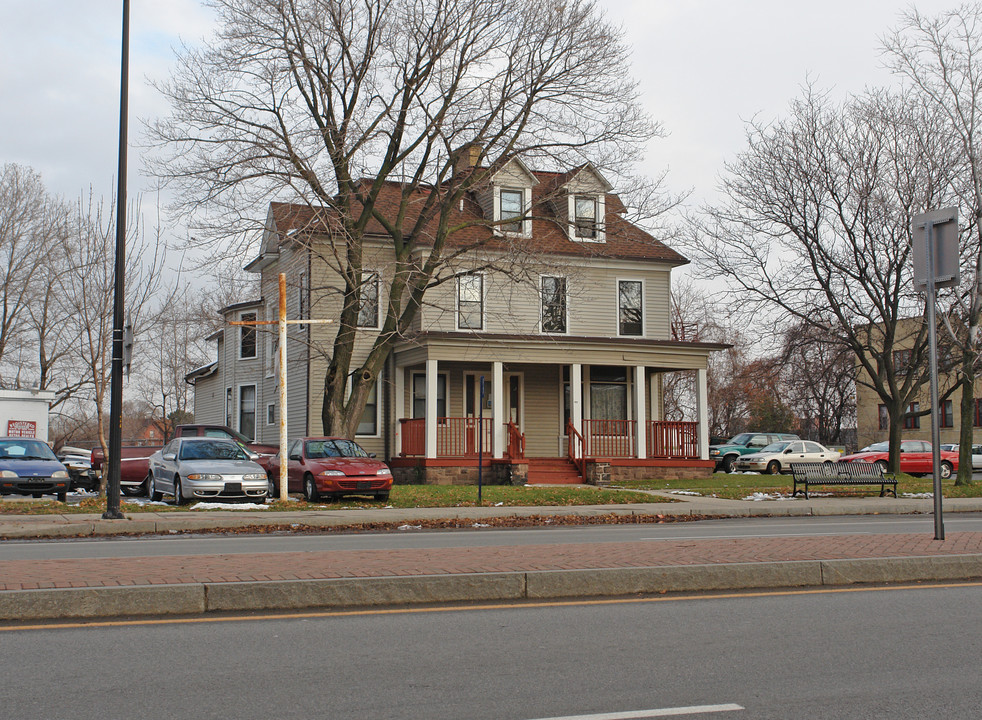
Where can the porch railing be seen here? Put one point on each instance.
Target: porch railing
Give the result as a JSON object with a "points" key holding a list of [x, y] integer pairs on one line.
{"points": [[455, 437], [516, 442], [668, 439], [609, 438], [575, 448]]}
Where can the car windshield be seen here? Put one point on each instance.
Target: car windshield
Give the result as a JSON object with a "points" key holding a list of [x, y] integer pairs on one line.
{"points": [[774, 447], [741, 439], [26, 450], [212, 450], [877, 447], [334, 448]]}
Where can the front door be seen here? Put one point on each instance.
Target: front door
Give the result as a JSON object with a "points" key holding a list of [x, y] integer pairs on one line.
{"points": [[514, 391]]}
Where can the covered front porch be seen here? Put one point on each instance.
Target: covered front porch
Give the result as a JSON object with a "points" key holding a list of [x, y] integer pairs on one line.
{"points": [[522, 410]]}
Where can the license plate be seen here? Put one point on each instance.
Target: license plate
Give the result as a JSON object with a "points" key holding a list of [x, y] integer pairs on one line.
{"points": [[363, 485], [233, 487]]}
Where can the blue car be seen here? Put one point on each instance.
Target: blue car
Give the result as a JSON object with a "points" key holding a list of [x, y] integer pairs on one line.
{"points": [[29, 467]]}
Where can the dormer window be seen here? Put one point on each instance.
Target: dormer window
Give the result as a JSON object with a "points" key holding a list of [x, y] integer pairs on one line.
{"points": [[511, 206], [586, 216]]}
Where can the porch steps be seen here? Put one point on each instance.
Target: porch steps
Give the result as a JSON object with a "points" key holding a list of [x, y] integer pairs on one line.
{"points": [[552, 471]]}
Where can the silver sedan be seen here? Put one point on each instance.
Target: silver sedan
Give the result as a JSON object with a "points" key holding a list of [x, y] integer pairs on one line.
{"points": [[205, 469]]}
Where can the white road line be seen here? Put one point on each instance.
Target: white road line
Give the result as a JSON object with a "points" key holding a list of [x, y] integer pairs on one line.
{"points": [[754, 537], [662, 712]]}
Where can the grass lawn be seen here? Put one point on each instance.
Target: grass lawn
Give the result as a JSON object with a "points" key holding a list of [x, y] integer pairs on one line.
{"points": [[736, 486], [403, 496]]}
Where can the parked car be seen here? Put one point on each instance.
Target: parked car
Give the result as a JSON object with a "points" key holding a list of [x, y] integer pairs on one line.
{"points": [[333, 467], [976, 453], [205, 469], [725, 454], [776, 457], [29, 467], [916, 457]]}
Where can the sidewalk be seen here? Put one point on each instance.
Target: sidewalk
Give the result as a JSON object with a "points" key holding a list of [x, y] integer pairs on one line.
{"points": [[336, 579]]}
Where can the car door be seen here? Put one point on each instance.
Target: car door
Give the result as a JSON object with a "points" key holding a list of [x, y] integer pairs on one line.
{"points": [[164, 473], [813, 452], [295, 467], [795, 452], [977, 457], [915, 457]]}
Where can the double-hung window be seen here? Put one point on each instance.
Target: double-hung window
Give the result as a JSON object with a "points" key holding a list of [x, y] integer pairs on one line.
{"points": [[247, 411], [419, 395], [912, 421], [368, 424], [368, 296], [511, 209], [553, 304], [630, 319], [470, 301], [585, 208]]}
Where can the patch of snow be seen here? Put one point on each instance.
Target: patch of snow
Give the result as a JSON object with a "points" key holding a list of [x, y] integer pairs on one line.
{"points": [[479, 525], [228, 506], [498, 504], [684, 492], [918, 496], [145, 501], [410, 527], [759, 496]]}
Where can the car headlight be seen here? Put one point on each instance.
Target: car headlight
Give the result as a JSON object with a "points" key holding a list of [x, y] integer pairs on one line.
{"points": [[9, 474], [254, 476], [384, 471], [331, 473], [714, 452], [59, 474], [204, 476]]}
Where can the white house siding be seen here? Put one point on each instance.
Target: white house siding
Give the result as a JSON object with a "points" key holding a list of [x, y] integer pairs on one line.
{"points": [[209, 400]]}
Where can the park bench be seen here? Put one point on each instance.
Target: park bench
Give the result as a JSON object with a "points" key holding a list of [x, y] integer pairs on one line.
{"points": [[846, 473]]}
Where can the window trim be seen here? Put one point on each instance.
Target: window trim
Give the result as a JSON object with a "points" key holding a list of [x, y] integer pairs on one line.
{"points": [[542, 329], [248, 329], [270, 412], [255, 410], [644, 318], [378, 408], [912, 422], [366, 274], [946, 415], [526, 223], [483, 313], [600, 208], [412, 392]]}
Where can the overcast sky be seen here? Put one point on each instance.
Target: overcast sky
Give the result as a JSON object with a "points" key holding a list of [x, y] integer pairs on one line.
{"points": [[705, 66]]}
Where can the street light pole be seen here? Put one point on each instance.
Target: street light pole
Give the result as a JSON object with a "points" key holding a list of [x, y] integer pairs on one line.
{"points": [[116, 368]]}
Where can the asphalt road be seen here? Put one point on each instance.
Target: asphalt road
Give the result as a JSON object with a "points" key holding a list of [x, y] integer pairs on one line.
{"points": [[731, 528], [902, 654]]}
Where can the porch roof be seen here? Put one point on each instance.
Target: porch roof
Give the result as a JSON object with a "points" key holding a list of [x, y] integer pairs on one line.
{"points": [[553, 350]]}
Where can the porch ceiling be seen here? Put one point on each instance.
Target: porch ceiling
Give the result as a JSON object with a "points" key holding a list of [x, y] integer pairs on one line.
{"points": [[553, 350]]}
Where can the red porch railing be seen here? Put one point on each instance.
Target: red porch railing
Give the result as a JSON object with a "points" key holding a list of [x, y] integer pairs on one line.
{"points": [[673, 440], [574, 448], [455, 437], [609, 438], [516, 442]]}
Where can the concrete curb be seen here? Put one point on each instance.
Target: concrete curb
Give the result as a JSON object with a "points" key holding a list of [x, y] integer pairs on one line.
{"points": [[202, 598]]}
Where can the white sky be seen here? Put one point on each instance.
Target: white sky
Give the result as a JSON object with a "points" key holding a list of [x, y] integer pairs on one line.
{"points": [[705, 66]]}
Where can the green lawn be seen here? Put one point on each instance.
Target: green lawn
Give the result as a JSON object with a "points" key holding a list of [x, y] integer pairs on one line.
{"points": [[403, 496], [737, 486]]}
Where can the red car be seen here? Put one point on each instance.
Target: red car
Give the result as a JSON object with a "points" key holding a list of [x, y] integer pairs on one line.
{"points": [[332, 467], [915, 458]]}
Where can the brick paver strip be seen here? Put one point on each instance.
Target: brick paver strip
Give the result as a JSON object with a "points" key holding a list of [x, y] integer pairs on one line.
{"points": [[177, 569]]}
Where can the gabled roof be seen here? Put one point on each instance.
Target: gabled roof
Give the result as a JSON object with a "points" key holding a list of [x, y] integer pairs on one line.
{"points": [[624, 239]]}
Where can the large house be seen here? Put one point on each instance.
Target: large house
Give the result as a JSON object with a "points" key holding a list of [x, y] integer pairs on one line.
{"points": [[562, 316]]}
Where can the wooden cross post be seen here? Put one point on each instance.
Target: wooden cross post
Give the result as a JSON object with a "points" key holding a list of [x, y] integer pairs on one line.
{"points": [[282, 323]]}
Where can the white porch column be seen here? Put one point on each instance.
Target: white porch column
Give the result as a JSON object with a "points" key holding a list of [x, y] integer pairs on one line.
{"points": [[702, 410], [498, 409], [576, 398], [399, 406], [431, 375], [640, 412]]}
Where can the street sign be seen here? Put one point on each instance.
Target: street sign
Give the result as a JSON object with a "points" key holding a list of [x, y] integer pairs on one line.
{"points": [[944, 237]]}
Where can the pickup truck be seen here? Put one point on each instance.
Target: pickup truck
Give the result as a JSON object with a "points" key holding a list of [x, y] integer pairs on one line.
{"points": [[135, 460], [724, 454]]}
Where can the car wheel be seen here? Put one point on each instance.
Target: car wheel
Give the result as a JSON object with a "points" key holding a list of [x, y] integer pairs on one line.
{"points": [[382, 496], [130, 491], [883, 464], [310, 492], [946, 470], [728, 462], [178, 491], [36, 496], [62, 496], [272, 489], [152, 491], [773, 468]]}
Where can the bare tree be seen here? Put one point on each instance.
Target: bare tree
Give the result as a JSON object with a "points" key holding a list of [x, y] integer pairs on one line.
{"points": [[815, 224], [941, 59], [87, 285], [332, 102]]}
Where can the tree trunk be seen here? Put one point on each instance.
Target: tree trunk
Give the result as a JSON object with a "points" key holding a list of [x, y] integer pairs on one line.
{"points": [[967, 419]]}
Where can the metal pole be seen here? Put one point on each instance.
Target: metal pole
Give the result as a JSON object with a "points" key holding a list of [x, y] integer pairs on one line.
{"points": [[116, 368], [284, 460], [933, 352]]}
